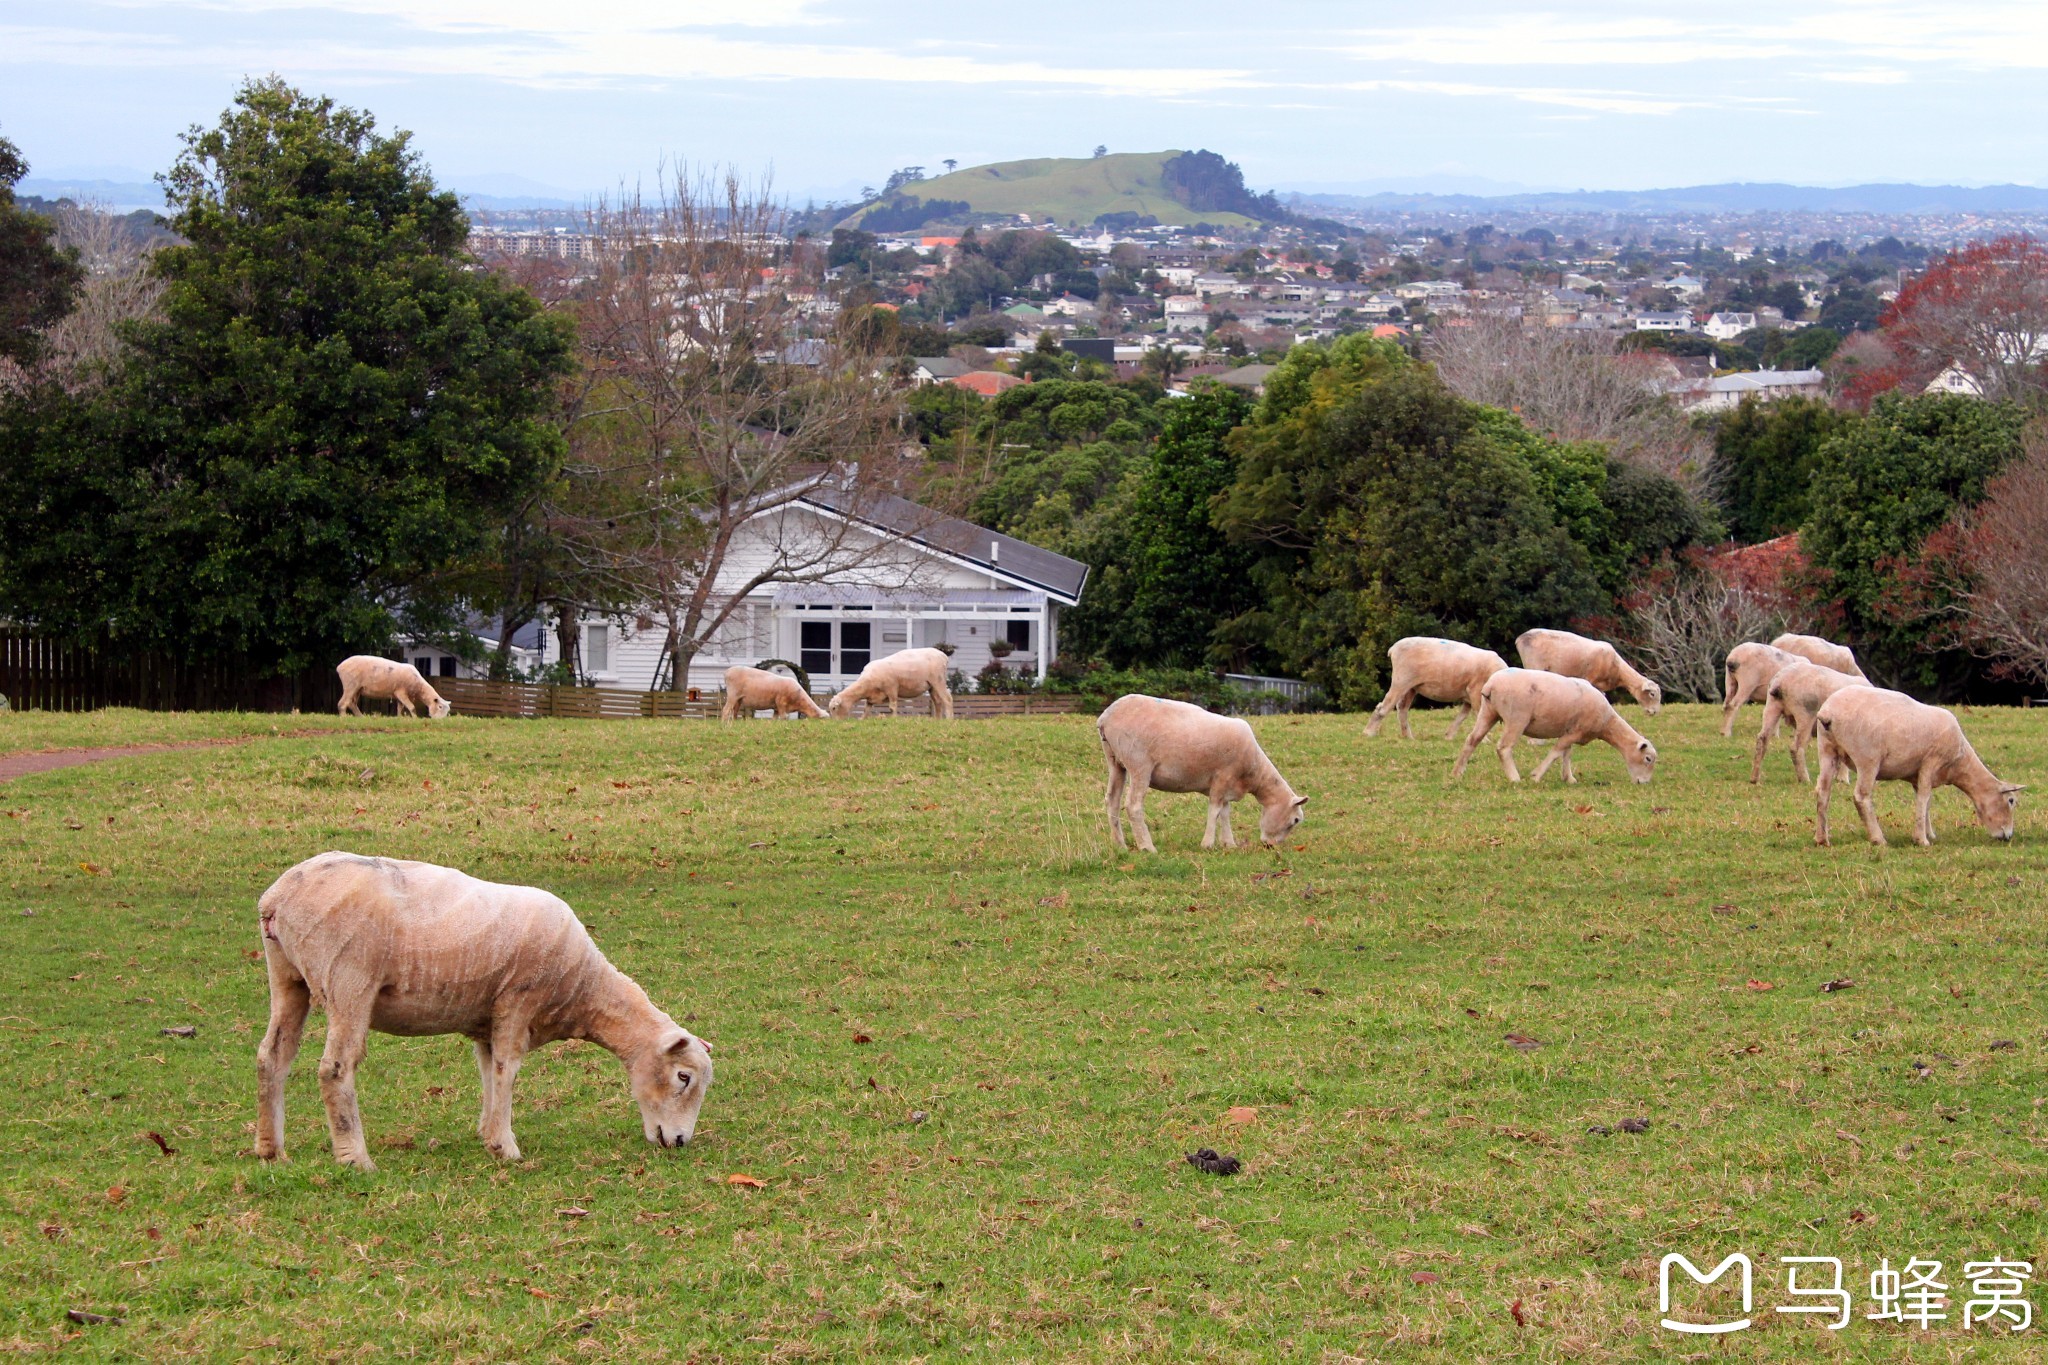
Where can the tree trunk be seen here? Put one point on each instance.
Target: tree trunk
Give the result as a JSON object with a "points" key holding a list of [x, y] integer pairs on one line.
{"points": [[681, 653], [569, 636]]}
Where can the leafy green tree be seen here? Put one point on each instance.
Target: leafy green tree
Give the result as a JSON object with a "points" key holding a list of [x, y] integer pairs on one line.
{"points": [[1157, 603], [1763, 463], [333, 410], [1882, 483], [36, 276], [1378, 504]]}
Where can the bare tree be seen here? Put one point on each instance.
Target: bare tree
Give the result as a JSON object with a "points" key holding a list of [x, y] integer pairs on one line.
{"points": [[714, 398], [1569, 386], [82, 348], [2000, 549], [1685, 618]]}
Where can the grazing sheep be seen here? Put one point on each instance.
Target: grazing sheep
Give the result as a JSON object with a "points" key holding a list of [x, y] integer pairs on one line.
{"points": [[1544, 705], [1826, 653], [1152, 744], [896, 677], [1441, 670], [1888, 736], [1748, 677], [1796, 694], [414, 949], [748, 690], [366, 675], [1599, 663]]}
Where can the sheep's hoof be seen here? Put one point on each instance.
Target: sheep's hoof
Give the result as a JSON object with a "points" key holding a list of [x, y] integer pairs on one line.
{"points": [[361, 1162]]}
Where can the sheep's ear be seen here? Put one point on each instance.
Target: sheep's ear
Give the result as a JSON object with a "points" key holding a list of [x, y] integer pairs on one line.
{"points": [[1300, 801], [679, 1041], [2010, 787]]}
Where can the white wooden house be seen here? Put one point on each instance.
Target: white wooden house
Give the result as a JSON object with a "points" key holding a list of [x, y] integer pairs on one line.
{"points": [[915, 578]]}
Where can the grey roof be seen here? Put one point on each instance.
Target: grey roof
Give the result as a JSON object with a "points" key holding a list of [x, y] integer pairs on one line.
{"points": [[1246, 376], [1758, 381], [992, 551], [940, 366]]}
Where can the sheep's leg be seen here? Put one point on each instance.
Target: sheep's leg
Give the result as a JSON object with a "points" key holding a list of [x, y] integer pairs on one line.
{"points": [[942, 702], [487, 1081], [1134, 807], [730, 711], [1864, 794], [289, 1001], [1481, 723], [348, 1031], [348, 702], [1511, 735], [508, 1037], [1229, 839], [1774, 711], [1209, 829], [1802, 735], [1823, 793], [1112, 799], [1464, 710], [1562, 749], [1923, 809], [403, 704], [1730, 704]]}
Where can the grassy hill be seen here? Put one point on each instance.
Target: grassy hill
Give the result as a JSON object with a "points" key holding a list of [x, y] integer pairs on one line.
{"points": [[1068, 189]]}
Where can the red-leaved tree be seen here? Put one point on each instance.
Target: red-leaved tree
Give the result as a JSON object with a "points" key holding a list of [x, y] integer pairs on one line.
{"points": [[1982, 308]]}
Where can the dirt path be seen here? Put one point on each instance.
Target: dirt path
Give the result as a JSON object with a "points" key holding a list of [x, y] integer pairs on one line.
{"points": [[49, 760]]}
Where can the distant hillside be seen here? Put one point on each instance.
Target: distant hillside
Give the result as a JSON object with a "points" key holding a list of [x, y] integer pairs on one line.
{"points": [[1893, 200], [1073, 190]]}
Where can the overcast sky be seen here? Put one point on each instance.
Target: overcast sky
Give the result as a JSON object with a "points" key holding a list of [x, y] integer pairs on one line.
{"points": [[829, 94]]}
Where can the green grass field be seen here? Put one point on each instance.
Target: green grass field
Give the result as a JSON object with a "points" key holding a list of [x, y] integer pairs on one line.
{"points": [[877, 918]]}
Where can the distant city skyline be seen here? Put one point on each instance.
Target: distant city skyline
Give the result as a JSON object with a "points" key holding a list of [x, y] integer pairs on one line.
{"points": [[1475, 95]]}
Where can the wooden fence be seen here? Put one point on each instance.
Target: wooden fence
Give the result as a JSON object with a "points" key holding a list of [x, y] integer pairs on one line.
{"points": [[475, 697], [44, 674]]}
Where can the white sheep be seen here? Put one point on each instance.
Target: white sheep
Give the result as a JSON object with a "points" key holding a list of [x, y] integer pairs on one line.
{"points": [[1155, 744], [1440, 670]]}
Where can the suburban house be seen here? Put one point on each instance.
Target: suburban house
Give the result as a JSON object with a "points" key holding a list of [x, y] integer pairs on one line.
{"points": [[987, 383], [931, 369], [1766, 386], [1186, 313], [915, 578], [1663, 322], [1728, 326]]}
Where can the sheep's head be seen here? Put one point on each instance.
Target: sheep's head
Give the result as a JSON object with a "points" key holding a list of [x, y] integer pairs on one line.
{"points": [[1995, 809], [440, 707], [1653, 698], [669, 1081], [1642, 760], [841, 704], [1275, 821]]}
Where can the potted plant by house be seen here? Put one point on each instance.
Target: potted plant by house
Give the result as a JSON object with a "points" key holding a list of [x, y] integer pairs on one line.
{"points": [[1000, 648]]}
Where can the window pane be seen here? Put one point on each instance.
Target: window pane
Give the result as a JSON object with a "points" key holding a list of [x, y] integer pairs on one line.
{"points": [[855, 635], [425, 664], [447, 667], [815, 660], [597, 649], [1018, 633]]}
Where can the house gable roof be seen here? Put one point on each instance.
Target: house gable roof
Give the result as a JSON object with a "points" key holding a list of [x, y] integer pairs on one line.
{"points": [[991, 552]]}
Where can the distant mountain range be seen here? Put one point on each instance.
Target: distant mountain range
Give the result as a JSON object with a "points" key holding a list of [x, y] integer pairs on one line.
{"points": [[1883, 200]]}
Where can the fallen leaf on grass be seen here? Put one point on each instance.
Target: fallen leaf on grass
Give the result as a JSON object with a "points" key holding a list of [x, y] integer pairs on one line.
{"points": [[158, 1139], [1725, 908], [116, 1193], [1515, 1312], [54, 1231], [179, 1031], [85, 1319], [1858, 1216], [90, 869], [1847, 1136], [1240, 1114], [1522, 1042], [1582, 810], [1426, 1277], [1757, 985], [752, 1182], [758, 843], [1057, 902], [1634, 1125], [1840, 983], [860, 1038], [2004, 1045], [572, 1212], [539, 1293]]}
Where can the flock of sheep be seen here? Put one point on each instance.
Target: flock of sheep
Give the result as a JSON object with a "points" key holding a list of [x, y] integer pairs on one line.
{"points": [[409, 948]]}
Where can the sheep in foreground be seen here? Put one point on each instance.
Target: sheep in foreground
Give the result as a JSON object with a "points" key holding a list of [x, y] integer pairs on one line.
{"points": [[1543, 705], [1440, 670], [1796, 694], [1599, 663], [1826, 653], [1887, 736], [414, 949], [1748, 675], [1153, 744], [748, 690], [366, 675], [896, 678]]}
